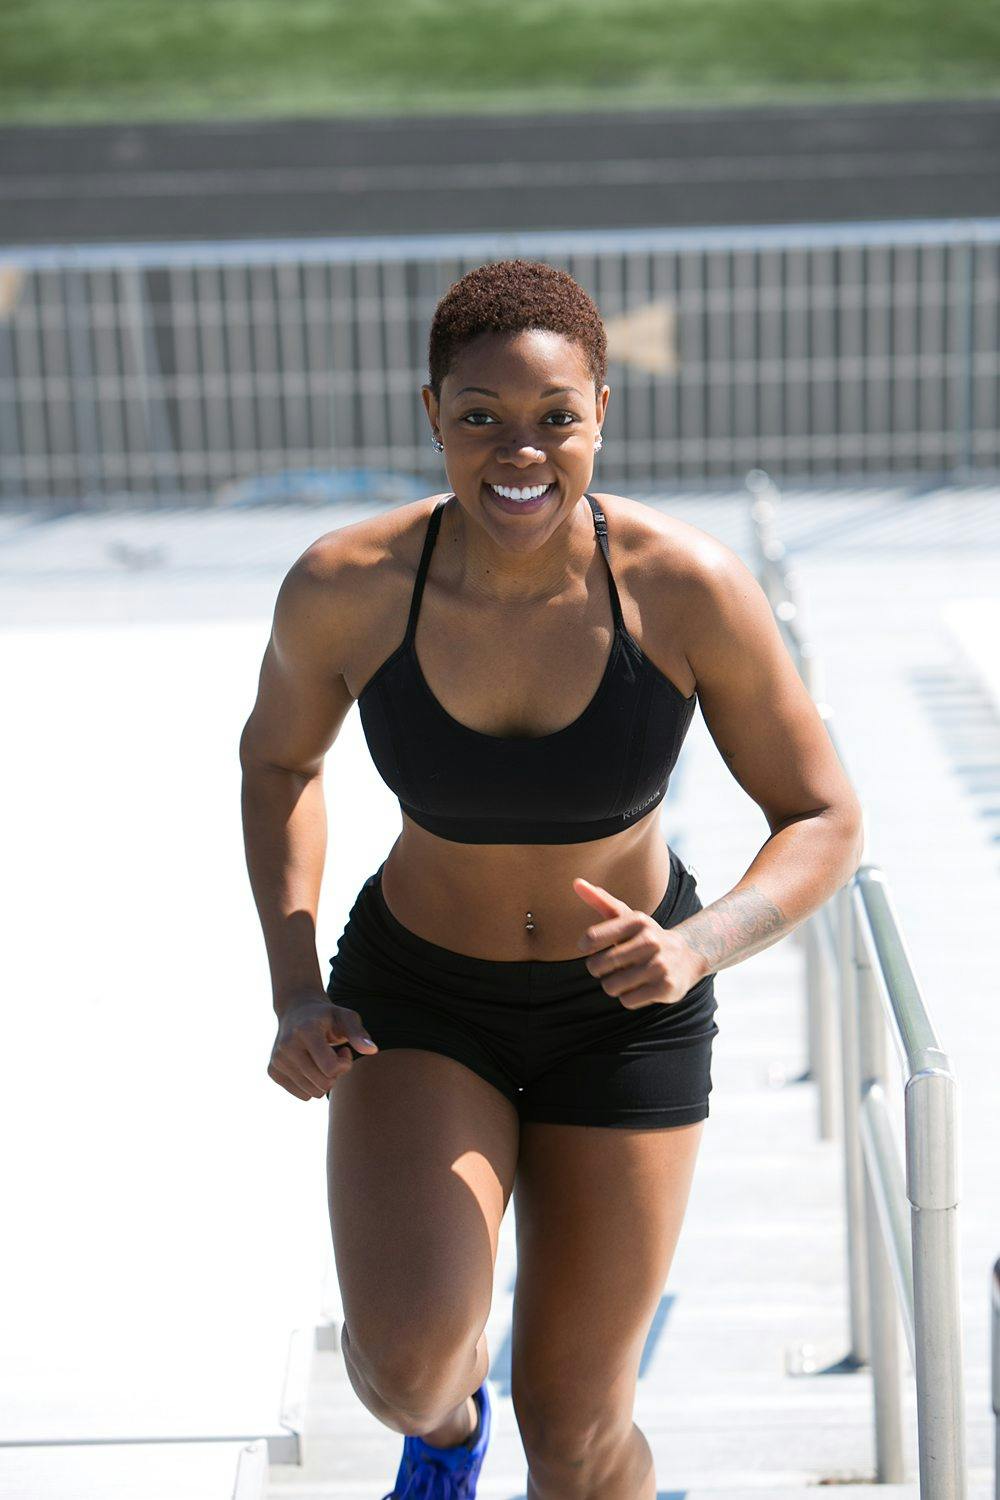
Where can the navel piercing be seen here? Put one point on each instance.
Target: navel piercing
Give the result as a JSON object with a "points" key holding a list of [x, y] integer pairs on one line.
{"points": [[529, 925]]}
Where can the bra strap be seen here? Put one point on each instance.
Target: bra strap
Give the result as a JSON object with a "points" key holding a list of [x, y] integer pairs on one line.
{"points": [[425, 561], [601, 529]]}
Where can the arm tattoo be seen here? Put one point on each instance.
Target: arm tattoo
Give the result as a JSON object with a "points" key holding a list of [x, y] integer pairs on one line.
{"points": [[734, 927]]}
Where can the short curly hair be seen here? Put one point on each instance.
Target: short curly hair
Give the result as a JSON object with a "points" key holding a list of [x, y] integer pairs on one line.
{"points": [[506, 296]]}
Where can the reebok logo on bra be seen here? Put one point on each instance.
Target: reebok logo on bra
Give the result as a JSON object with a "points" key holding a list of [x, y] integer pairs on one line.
{"points": [[640, 805]]}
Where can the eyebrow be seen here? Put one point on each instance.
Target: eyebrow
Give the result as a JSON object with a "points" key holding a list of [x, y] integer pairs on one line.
{"points": [[552, 390]]}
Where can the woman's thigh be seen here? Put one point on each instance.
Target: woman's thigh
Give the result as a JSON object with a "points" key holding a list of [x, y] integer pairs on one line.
{"points": [[421, 1160], [599, 1212]]}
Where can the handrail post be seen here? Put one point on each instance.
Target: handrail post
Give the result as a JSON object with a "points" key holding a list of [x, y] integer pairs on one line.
{"points": [[819, 1004], [883, 1314], [932, 1188], [854, 1171]]}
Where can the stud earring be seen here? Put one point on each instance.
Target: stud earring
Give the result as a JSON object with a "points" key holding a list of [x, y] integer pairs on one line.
{"points": [[598, 443], [438, 444]]}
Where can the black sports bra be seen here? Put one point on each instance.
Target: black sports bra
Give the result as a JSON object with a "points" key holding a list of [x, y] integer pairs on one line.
{"points": [[594, 777]]}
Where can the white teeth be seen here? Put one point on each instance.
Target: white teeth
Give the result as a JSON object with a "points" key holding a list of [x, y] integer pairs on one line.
{"points": [[520, 494]]}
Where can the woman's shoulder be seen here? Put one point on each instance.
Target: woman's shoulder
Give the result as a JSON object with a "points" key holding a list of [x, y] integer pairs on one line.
{"points": [[678, 584], [653, 544], [362, 560], [355, 579], [375, 541]]}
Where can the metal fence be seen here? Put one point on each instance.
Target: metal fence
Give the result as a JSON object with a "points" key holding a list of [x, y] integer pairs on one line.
{"points": [[163, 372], [901, 1217]]}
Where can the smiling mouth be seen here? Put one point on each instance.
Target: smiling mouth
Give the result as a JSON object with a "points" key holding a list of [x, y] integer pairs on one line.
{"points": [[521, 492]]}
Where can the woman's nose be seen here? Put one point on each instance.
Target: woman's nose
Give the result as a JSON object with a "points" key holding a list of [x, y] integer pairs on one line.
{"points": [[526, 449]]}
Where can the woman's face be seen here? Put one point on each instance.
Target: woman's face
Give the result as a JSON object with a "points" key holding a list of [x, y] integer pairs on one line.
{"points": [[531, 420]]}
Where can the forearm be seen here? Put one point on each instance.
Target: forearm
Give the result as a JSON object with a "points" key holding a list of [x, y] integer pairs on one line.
{"points": [[284, 834], [800, 867]]}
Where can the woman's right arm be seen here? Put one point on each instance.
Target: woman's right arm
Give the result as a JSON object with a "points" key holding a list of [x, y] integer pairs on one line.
{"points": [[302, 700]]}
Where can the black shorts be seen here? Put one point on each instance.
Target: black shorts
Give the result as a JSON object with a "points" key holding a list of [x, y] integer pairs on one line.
{"points": [[542, 1031]]}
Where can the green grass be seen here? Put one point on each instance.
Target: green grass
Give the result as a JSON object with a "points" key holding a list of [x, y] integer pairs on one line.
{"points": [[91, 60]]}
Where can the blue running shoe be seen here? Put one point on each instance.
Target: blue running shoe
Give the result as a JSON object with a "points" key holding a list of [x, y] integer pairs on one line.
{"points": [[429, 1473]]}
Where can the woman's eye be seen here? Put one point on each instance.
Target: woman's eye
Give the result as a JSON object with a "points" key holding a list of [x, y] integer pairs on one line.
{"points": [[469, 415]]}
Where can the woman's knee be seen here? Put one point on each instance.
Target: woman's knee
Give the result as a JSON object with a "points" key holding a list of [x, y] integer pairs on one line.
{"points": [[416, 1308], [420, 1375], [571, 1433]]}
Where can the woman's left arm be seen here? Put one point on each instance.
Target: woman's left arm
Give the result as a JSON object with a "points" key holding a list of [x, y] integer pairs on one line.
{"points": [[770, 735]]}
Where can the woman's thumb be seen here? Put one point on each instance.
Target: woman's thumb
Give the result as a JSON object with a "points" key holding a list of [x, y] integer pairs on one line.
{"points": [[347, 1026]]}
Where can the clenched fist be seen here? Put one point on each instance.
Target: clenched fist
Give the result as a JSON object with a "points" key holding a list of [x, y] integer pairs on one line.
{"points": [[315, 1043], [636, 960]]}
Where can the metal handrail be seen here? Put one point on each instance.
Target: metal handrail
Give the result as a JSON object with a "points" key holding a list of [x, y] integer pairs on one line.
{"points": [[857, 963], [984, 229]]}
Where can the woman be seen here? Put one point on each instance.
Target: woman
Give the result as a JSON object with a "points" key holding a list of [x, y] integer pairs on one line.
{"points": [[531, 960]]}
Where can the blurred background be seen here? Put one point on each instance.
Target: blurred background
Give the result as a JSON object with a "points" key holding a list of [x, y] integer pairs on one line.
{"points": [[224, 227]]}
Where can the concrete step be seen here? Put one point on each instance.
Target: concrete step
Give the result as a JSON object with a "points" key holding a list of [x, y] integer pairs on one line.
{"points": [[977, 1490], [496, 1487], [135, 1471], [809, 1492], [790, 1439]]}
